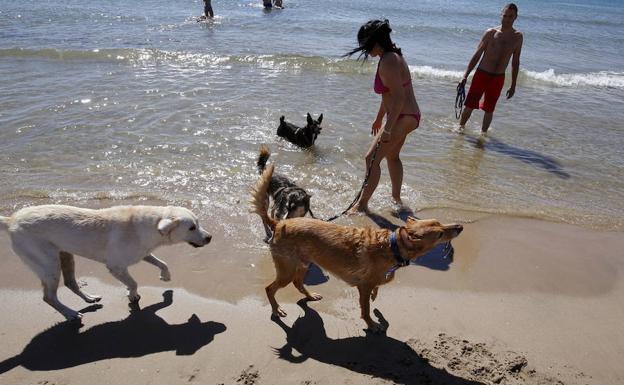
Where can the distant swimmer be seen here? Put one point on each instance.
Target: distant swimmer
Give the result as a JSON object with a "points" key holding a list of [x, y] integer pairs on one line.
{"points": [[268, 4], [497, 46]]}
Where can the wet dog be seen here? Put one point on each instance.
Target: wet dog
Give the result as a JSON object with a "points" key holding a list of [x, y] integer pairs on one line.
{"points": [[363, 257], [47, 237], [301, 136], [289, 200]]}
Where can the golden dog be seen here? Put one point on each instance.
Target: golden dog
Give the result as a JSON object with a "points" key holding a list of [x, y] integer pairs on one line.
{"points": [[362, 257]]}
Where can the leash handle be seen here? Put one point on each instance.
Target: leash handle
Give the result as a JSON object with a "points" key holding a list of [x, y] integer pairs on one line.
{"points": [[459, 99]]}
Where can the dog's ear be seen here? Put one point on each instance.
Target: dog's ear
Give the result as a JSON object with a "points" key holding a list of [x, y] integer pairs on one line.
{"points": [[320, 119], [310, 121], [166, 225], [411, 219]]}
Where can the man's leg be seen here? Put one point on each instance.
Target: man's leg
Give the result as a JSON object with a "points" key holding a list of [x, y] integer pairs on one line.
{"points": [[465, 116], [493, 91], [487, 120], [475, 92]]}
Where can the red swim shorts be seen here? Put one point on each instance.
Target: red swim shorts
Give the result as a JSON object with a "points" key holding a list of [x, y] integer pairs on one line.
{"points": [[484, 83]]}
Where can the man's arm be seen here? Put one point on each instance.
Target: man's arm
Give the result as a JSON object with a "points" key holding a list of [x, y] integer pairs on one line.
{"points": [[515, 68], [477, 55]]}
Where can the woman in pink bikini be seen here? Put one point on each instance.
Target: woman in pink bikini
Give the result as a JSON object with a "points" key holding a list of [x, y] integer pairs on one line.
{"points": [[398, 104]]}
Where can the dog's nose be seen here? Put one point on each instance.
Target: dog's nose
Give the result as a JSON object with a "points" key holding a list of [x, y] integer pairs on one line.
{"points": [[208, 238], [459, 229]]}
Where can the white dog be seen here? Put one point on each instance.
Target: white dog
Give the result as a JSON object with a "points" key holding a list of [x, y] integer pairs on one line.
{"points": [[47, 237]]}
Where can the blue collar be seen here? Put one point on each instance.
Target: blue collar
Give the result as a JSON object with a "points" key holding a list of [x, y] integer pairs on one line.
{"points": [[394, 246]]}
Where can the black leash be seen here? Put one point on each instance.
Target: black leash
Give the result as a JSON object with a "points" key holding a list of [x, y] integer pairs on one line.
{"points": [[359, 194], [459, 99]]}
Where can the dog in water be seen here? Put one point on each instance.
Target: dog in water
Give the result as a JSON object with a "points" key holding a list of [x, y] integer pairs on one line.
{"points": [[301, 136], [363, 257], [47, 237], [289, 200]]}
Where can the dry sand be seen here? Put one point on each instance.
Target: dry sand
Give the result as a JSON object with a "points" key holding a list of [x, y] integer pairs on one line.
{"points": [[523, 302]]}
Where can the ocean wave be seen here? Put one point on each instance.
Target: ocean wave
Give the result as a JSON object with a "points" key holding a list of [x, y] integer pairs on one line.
{"points": [[73, 196], [608, 79], [438, 73], [150, 57]]}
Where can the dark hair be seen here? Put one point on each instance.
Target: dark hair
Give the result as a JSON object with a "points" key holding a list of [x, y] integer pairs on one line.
{"points": [[513, 7], [371, 33]]}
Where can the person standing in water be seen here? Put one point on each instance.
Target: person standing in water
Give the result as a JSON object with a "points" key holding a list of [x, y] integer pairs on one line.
{"points": [[208, 13], [398, 105], [497, 46]]}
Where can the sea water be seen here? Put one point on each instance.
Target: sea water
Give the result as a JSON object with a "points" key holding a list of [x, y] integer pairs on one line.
{"points": [[110, 102]]}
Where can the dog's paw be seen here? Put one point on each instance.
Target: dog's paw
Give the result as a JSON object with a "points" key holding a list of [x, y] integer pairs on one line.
{"points": [[375, 328], [72, 315], [315, 297], [165, 276], [93, 298], [279, 312], [134, 297]]}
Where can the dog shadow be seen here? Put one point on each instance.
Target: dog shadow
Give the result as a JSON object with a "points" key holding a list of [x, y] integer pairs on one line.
{"points": [[142, 333], [375, 355], [438, 258], [533, 158], [315, 275]]}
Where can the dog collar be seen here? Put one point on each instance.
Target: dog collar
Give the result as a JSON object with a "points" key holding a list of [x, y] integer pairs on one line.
{"points": [[394, 246]]}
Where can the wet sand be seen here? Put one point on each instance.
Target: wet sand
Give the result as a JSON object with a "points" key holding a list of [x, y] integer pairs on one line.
{"points": [[521, 302]]}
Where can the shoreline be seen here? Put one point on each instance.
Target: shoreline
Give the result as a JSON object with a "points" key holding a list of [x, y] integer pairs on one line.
{"points": [[517, 289]]}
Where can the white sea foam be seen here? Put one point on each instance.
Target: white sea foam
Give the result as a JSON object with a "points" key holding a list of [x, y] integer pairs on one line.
{"points": [[609, 79], [432, 72], [596, 79]]}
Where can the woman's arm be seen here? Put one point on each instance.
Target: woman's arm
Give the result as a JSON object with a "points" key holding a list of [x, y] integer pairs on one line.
{"points": [[390, 73], [379, 119]]}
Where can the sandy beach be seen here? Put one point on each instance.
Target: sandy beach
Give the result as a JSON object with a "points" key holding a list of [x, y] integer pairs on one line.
{"points": [[522, 302]]}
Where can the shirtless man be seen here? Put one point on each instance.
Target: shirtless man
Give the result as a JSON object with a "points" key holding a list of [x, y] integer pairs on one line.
{"points": [[497, 46]]}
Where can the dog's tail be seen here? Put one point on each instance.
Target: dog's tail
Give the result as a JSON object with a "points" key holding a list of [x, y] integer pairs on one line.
{"points": [[4, 223], [260, 196], [263, 157]]}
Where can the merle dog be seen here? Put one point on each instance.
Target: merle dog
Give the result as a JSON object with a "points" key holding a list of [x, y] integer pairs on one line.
{"points": [[289, 200], [301, 136]]}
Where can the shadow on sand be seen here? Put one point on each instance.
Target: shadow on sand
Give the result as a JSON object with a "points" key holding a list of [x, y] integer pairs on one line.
{"points": [[375, 355], [533, 158], [142, 333]]}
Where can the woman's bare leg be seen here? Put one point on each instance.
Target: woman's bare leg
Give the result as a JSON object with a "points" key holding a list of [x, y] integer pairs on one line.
{"points": [[386, 150], [395, 169]]}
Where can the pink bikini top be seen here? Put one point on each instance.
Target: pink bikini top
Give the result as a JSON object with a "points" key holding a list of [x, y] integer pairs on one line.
{"points": [[380, 88]]}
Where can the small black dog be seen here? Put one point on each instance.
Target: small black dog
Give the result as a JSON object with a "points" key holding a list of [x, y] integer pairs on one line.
{"points": [[289, 200], [301, 136]]}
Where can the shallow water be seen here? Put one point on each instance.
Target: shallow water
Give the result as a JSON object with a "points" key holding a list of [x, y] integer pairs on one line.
{"points": [[137, 101]]}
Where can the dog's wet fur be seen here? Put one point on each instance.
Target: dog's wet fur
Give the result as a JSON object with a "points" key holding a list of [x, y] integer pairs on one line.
{"points": [[301, 136], [361, 257], [289, 200]]}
